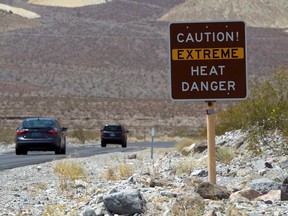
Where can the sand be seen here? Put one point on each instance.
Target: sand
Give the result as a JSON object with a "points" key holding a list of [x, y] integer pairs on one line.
{"points": [[67, 3], [19, 11]]}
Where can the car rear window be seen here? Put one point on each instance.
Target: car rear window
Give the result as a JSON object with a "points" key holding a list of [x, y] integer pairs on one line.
{"points": [[41, 123], [112, 128]]}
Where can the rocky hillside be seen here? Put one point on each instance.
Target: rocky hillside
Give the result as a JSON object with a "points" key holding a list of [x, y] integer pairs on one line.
{"points": [[117, 49], [170, 184], [120, 48]]}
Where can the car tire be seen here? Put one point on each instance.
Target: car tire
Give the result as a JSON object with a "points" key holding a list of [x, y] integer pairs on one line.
{"points": [[63, 149], [124, 145], [103, 144], [18, 151]]}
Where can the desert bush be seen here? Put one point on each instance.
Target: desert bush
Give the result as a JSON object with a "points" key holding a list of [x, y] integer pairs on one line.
{"points": [[54, 210], [7, 136], [78, 133], [187, 165], [225, 154], [266, 109], [188, 205], [183, 143], [120, 172], [110, 174], [125, 170], [83, 135], [69, 170]]}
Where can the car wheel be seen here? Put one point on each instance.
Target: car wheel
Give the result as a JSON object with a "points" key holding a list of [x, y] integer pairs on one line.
{"points": [[63, 149], [124, 145], [58, 150], [103, 144], [18, 151]]}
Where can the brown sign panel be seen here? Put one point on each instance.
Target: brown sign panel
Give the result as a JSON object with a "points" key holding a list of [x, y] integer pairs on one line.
{"points": [[208, 61]]}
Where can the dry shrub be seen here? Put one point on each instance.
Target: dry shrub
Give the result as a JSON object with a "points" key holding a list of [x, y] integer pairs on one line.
{"points": [[125, 170], [110, 174], [264, 110], [234, 211], [187, 165], [54, 210], [187, 205], [183, 143], [225, 154], [120, 172], [69, 170]]}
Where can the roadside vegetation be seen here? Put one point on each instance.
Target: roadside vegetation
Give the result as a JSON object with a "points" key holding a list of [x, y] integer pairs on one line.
{"points": [[83, 135], [7, 136], [68, 171], [265, 111]]}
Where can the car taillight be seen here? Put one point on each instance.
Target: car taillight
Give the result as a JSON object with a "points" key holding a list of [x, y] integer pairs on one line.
{"points": [[21, 131], [53, 131]]}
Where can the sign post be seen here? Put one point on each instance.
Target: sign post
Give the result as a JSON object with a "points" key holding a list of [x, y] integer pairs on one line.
{"points": [[152, 143], [211, 142], [208, 63]]}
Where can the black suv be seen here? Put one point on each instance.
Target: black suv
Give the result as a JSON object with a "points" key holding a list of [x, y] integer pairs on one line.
{"points": [[114, 134]]}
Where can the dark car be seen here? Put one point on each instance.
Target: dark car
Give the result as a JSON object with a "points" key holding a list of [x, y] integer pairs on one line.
{"points": [[114, 134], [40, 134]]}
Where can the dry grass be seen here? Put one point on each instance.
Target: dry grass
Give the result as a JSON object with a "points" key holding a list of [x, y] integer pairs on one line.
{"points": [[225, 154], [189, 164], [54, 210], [122, 171], [188, 206], [69, 170]]}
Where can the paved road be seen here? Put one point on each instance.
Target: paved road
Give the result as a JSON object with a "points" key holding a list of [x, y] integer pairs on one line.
{"points": [[9, 159]]}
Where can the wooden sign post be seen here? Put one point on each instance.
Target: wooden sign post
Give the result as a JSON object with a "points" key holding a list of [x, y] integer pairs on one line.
{"points": [[211, 142]]}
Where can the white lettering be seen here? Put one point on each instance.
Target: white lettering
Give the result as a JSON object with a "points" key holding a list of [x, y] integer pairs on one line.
{"points": [[178, 37], [202, 70], [209, 86], [185, 86], [199, 37], [231, 85]]}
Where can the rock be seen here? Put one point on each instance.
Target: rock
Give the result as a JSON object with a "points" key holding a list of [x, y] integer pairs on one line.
{"points": [[273, 195], [201, 147], [199, 173], [212, 191], [264, 185], [89, 212], [249, 194], [268, 165], [285, 181], [133, 156], [125, 202], [284, 193], [187, 150]]}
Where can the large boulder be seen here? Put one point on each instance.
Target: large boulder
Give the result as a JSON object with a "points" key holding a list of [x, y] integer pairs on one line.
{"points": [[125, 202]]}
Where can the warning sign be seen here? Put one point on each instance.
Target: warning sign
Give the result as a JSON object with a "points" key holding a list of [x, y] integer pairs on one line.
{"points": [[208, 61]]}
